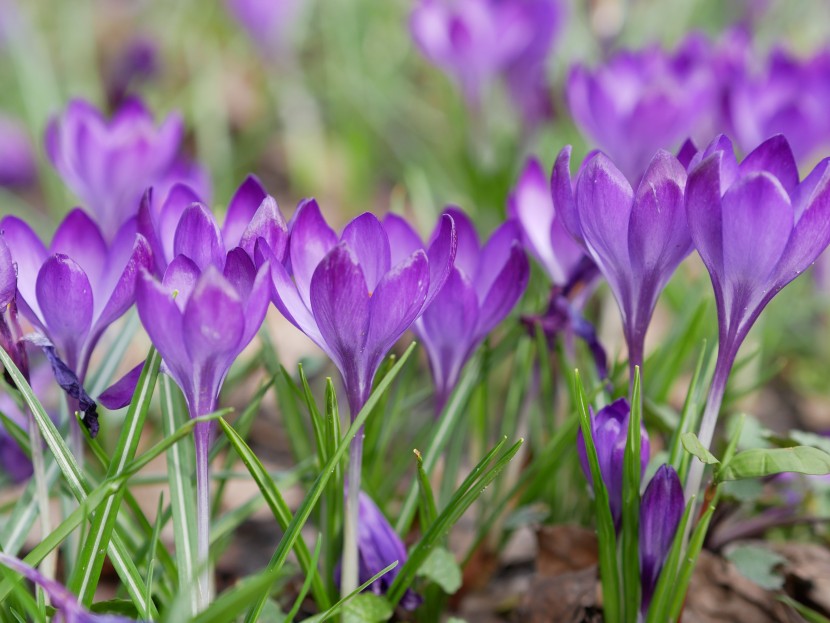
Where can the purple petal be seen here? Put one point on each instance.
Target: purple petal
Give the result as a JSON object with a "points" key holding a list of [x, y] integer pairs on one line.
{"points": [[403, 241], [146, 225], [446, 330], [660, 513], [395, 304], [368, 241], [757, 222], [340, 304], [8, 276], [496, 253], [505, 291], [240, 272], [256, 303], [241, 209], [467, 247], [688, 150], [198, 237], [658, 234], [267, 223], [309, 242], [775, 157], [180, 278], [562, 192], [28, 254], [703, 212], [177, 201], [65, 299], [119, 394], [78, 237], [605, 201], [441, 255]]}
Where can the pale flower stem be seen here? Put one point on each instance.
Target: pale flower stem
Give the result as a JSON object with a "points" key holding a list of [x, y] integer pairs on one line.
{"points": [[203, 586], [47, 567], [349, 576]]}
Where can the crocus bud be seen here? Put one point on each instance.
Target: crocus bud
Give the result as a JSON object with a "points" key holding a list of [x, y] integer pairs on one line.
{"points": [[660, 512], [609, 428]]}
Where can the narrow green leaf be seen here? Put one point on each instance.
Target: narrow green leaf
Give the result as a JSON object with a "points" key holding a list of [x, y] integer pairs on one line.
{"points": [[292, 533], [810, 615], [230, 604], [84, 578], [316, 419], [631, 506], [693, 446], [309, 577], [325, 616], [761, 462], [154, 540], [427, 508], [332, 505], [16, 432], [606, 533], [691, 410]]}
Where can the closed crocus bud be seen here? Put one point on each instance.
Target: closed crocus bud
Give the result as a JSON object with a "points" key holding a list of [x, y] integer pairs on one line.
{"points": [[609, 428], [637, 236], [66, 605], [661, 510], [483, 287], [110, 163], [378, 547]]}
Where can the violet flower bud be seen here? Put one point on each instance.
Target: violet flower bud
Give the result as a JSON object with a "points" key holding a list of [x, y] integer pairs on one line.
{"points": [[484, 285], [661, 510], [609, 428]]}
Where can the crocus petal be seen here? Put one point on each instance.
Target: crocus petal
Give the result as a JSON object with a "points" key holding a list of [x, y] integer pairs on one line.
{"points": [[660, 513], [605, 200], [256, 303], [177, 201], [180, 278], [441, 254], [703, 212], [198, 237], [403, 241], [119, 394], [505, 291], [658, 234], [340, 304], [78, 237], [8, 276], [241, 209], [28, 254], [397, 301], [311, 239], [267, 223], [563, 194], [467, 247], [495, 254], [775, 157], [757, 222], [65, 299], [368, 241]]}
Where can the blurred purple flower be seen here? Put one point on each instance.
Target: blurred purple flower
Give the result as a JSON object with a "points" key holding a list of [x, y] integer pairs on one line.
{"points": [[609, 429], [477, 41], [378, 547], [66, 605], [483, 286], [789, 96], [17, 157], [355, 295], [645, 100], [661, 510], [76, 288], [270, 23], [637, 239], [543, 232], [109, 164], [756, 228], [135, 63]]}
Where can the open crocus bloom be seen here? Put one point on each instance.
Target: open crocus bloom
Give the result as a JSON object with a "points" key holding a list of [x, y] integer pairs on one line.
{"points": [[356, 294], [109, 164], [636, 238], [74, 289], [483, 286]]}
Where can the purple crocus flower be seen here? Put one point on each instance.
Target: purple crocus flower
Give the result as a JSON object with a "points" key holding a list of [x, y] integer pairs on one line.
{"points": [[642, 101], [756, 228], [10, 332], [378, 547], [484, 285], [477, 41], [661, 510], [609, 429], [270, 23], [637, 239], [67, 607], [109, 164], [74, 290], [17, 157]]}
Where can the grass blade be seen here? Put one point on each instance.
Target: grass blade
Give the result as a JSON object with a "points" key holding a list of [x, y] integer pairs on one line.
{"points": [[631, 506]]}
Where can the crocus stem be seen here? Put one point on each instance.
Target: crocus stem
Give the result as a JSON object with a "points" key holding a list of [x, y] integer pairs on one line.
{"points": [[47, 567], [202, 440], [349, 575]]}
